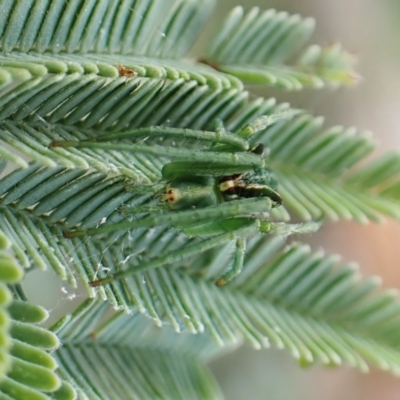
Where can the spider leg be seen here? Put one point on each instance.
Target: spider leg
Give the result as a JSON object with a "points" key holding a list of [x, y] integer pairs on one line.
{"points": [[180, 169], [265, 227], [237, 266], [235, 229], [264, 121], [232, 209], [215, 227], [145, 209], [285, 229], [237, 158], [219, 136], [247, 228]]}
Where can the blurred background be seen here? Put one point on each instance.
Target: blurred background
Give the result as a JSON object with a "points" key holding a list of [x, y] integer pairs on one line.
{"points": [[370, 29]]}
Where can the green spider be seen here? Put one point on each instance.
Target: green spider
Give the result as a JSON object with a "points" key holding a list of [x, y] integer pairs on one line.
{"points": [[223, 193]]}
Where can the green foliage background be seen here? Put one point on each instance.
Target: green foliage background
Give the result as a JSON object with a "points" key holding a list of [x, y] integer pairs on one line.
{"points": [[60, 76]]}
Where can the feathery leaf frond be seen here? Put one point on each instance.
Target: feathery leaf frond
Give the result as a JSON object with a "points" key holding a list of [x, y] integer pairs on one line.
{"points": [[10, 272], [153, 28], [27, 369], [121, 344], [279, 303], [318, 178], [262, 47], [73, 88], [318, 168], [78, 69]]}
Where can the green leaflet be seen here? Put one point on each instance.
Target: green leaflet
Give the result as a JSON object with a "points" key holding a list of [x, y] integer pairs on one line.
{"points": [[262, 47], [122, 345], [27, 368], [10, 272], [103, 26]]}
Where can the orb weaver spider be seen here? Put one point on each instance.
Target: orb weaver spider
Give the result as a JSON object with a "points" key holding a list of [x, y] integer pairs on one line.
{"points": [[223, 193]]}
